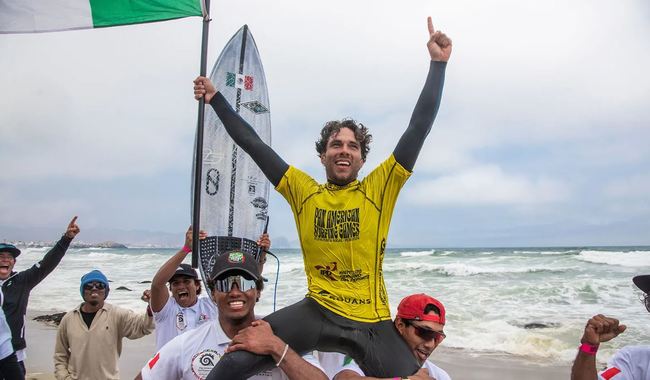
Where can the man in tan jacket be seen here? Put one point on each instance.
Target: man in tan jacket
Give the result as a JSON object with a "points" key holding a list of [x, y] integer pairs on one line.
{"points": [[89, 339]]}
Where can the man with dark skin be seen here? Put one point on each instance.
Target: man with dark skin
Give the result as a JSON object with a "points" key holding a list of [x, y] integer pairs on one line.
{"points": [[629, 363], [17, 286], [89, 338], [236, 286], [184, 310], [343, 226]]}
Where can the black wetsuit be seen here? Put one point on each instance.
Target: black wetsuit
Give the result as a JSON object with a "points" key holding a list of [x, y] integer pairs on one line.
{"points": [[377, 346], [17, 287]]}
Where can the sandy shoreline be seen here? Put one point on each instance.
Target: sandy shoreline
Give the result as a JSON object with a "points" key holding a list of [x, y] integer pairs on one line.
{"points": [[460, 364]]}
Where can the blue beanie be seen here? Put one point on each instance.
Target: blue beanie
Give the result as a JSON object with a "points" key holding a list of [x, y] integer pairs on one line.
{"points": [[91, 276]]}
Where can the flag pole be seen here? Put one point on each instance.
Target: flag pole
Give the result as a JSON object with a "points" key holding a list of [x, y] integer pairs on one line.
{"points": [[198, 153]]}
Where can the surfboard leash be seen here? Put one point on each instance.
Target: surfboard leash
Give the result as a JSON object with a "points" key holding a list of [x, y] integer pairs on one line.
{"points": [[277, 276]]}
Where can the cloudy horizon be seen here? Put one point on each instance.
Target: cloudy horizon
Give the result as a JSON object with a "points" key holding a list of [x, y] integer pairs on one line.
{"points": [[541, 138]]}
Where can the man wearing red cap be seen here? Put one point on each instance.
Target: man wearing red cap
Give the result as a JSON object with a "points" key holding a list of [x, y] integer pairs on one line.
{"points": [[420, 321], [629, 363]]}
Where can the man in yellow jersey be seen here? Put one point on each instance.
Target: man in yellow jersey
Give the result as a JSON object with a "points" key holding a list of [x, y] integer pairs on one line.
{"points": [[342, 225]]}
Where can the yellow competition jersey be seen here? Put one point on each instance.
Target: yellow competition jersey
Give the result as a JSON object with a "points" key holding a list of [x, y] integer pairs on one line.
{"points": [[343, 234]]}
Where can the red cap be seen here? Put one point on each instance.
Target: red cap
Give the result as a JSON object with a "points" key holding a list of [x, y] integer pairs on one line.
{"points": [[412, 307]]}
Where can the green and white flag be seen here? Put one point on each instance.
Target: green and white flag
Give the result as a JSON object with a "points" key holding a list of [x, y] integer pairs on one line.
{"points": [[34, 16]]}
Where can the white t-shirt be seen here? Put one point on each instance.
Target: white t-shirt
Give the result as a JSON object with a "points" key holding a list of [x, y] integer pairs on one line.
{"points": [[6, 348], [434, 371], [629, 363], [192, 355], [174, 320]]}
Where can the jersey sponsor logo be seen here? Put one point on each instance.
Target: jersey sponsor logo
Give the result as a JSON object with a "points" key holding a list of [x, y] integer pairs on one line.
{"points": [[348, 300], [353, 275], [327, 270], [383, 295], [610, 373], [153, 361], [336, 225], [203, 362], [181, 323]]}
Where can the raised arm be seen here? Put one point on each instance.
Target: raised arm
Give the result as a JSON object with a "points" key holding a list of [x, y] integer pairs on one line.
{"points": [[52, 258], [598, 329], [272, 165], [408, 148], [159, 292]]}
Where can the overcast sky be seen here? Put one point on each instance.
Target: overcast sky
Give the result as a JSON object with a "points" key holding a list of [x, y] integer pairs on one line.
{"points": [[541, 139]]}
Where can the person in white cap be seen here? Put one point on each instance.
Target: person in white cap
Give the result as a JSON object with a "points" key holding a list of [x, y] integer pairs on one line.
{"points": [[629, 363]]}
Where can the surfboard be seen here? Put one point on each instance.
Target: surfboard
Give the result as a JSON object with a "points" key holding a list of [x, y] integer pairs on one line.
{"points": [[235, 192]]}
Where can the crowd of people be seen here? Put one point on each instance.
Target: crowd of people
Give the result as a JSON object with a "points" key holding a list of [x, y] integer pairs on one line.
{"points": [[341, 330]]}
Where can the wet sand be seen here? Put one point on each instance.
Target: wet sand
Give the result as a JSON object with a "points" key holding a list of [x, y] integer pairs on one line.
{"points": [[460, 364]]}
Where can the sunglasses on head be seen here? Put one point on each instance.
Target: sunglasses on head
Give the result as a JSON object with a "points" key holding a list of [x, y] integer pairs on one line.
{"points": [[225, 284], [425, 333], [94, 285]]}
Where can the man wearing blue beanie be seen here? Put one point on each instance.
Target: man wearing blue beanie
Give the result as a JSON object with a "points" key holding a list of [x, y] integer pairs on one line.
{"points": [[91, 276], [89, 338]]}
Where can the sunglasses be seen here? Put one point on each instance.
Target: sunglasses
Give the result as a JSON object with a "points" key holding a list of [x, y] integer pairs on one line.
{"points": [[94, 285], [225, 284], [425, 333]]}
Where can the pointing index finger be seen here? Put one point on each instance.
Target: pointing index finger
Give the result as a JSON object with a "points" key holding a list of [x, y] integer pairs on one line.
{"points": [[73, 221], [430, 25]]}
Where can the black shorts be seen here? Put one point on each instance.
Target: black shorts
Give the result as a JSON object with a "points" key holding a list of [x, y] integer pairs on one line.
{"points": [[307, 326]]}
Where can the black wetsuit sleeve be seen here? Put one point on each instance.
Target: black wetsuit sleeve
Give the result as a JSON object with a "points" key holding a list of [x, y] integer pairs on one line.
{"points": [[408, 148], [271, 164]]}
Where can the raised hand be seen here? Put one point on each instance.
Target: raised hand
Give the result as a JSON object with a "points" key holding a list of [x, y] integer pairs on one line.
{"points": [[203, 88], [601, 329], [73, 229], [439, 44], [188, 236], [264, 242]]}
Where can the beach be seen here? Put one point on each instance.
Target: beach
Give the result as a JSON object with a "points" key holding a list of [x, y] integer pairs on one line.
{"points": [[459, 364], [511, 313]]}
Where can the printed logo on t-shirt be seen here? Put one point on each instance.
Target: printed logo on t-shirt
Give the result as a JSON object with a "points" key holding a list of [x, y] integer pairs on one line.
{"points": [[353, 275], [181, 324], [610, 373], [327, 270], [154, 360], [203, 362], [336, 225], [348, 300]]}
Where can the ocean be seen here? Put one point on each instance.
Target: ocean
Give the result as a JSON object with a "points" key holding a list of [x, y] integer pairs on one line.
{"points": [[492, 296]]}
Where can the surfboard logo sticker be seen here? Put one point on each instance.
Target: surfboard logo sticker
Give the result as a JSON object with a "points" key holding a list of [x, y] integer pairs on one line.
{"points": [[262, 205], [255, 107], [212, 182], [236, 257], [239, 81]]}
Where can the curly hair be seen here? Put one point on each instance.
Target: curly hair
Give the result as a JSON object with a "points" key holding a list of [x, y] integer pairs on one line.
{"points": [[333, 127]]}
